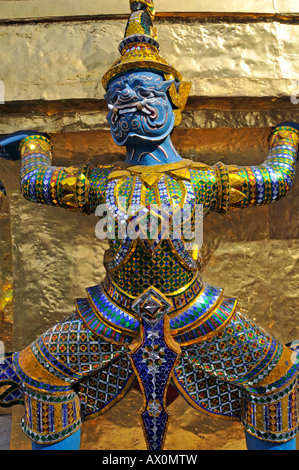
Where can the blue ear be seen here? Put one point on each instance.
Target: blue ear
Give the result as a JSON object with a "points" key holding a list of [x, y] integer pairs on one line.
{"points": [[166, 85]]}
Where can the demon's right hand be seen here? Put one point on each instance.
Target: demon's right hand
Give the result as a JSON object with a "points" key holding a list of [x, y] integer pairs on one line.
{"points": [[9, 145]]}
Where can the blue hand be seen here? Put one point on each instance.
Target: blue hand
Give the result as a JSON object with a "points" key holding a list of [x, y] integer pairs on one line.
{"points": [[9, 145]]}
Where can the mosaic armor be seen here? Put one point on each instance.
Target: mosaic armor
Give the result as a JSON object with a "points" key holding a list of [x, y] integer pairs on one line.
{"points": [[153, 319]]}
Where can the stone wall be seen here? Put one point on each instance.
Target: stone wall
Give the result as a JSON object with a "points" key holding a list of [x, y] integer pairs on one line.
{"points": [[56, 53], [243, 66]]}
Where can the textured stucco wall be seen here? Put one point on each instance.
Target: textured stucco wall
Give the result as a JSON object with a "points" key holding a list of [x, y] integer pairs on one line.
{"points": [[64, 60], [52, 52]]}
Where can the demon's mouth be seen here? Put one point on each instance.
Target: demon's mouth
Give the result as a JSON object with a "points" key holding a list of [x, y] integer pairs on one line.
{"points": [[141, 106]]}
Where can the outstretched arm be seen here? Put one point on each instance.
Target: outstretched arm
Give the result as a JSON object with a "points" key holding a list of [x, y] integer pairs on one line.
{"points": [[221, 188], [74, 188], [270, 181]]}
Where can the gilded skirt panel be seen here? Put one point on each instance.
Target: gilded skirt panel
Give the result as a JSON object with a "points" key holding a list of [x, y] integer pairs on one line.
{"points": [[70, 374], [243, 373]]}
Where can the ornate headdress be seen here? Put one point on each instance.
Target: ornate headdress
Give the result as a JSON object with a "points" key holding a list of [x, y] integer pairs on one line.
{"points": [[140, 50]]}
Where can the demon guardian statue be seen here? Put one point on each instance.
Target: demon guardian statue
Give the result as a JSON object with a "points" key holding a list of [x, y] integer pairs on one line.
{"points": [[153, 320]]}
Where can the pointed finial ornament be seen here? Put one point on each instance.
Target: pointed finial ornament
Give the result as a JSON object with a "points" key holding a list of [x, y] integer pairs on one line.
{"points": [[147, 5], [140, 50]]}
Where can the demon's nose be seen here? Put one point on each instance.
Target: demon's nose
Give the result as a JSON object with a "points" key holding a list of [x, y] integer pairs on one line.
{"points": [[127, 95]]}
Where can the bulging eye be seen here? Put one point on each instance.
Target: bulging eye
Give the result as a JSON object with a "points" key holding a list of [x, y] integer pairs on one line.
{"points": [[113, 100], [145, 93]]}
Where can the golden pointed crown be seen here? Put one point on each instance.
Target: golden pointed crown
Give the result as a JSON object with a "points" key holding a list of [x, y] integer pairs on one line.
{"points": [[140, 50]]}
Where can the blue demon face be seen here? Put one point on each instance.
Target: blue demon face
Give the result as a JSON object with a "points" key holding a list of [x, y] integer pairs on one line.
{"points": [[139, 108]]}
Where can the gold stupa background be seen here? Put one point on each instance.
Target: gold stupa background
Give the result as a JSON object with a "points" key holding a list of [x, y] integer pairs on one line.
{"points": [[243, 63]]}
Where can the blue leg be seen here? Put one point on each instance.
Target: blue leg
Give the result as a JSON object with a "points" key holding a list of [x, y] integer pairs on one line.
{"points": [[69, 443], [253, 443]]}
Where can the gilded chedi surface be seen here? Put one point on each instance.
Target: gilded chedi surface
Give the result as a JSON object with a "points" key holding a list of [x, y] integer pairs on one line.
{"points": [[221, 59]]}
